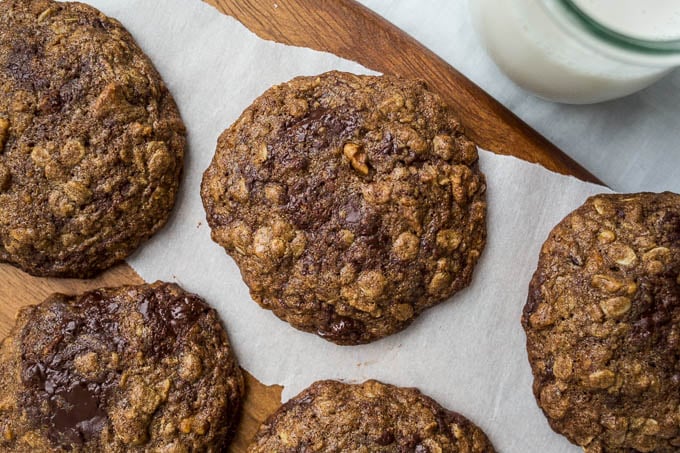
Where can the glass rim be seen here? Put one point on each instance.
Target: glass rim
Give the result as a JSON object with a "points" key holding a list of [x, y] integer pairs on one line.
{"points": [[669, 47]]}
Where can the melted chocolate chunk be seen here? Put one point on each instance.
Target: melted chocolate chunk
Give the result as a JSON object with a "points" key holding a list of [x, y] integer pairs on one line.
{"points": [[170, 317], [76, 405], [341, 327]]}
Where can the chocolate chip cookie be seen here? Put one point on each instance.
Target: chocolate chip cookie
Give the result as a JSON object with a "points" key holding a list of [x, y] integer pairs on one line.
{"points": [[330, 416], [350, 203], [137, 368], [91, 141], [603, 324]]}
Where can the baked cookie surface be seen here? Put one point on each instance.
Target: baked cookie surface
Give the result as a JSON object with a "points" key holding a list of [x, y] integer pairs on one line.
{"points": [[603, 324], [91, 141], [350, 203], [133, 369], [330, 416]]}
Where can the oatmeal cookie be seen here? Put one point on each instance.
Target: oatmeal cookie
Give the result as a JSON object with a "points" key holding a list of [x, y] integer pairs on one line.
{"points": [[603, 324], [330, 416], [133, 369], [91, 141], [350, 203]]}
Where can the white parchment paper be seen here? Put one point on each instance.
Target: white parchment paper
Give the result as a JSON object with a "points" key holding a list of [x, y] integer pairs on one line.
{"points": [[467, 353]]}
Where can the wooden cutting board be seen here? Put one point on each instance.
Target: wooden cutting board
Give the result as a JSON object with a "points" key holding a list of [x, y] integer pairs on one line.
{"points": [[349, 30]]}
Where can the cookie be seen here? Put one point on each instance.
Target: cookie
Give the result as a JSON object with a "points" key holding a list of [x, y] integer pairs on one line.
{"points": [[603, 324], [137, 368], [331, 416], [91, 141], [350, 203]]}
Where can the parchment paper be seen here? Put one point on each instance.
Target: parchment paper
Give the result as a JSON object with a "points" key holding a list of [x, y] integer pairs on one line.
{"points": [[467, 353]]}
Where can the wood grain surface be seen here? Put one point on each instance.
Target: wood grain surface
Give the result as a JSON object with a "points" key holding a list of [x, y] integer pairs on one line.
{"points": [[349, 30]]}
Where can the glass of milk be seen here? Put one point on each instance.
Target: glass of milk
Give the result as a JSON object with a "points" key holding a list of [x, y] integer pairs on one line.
{"points": [[581, 51]]}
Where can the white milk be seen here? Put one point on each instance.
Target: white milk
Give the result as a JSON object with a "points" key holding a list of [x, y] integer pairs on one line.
{"points": [[534, 49], [655, 20]]}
